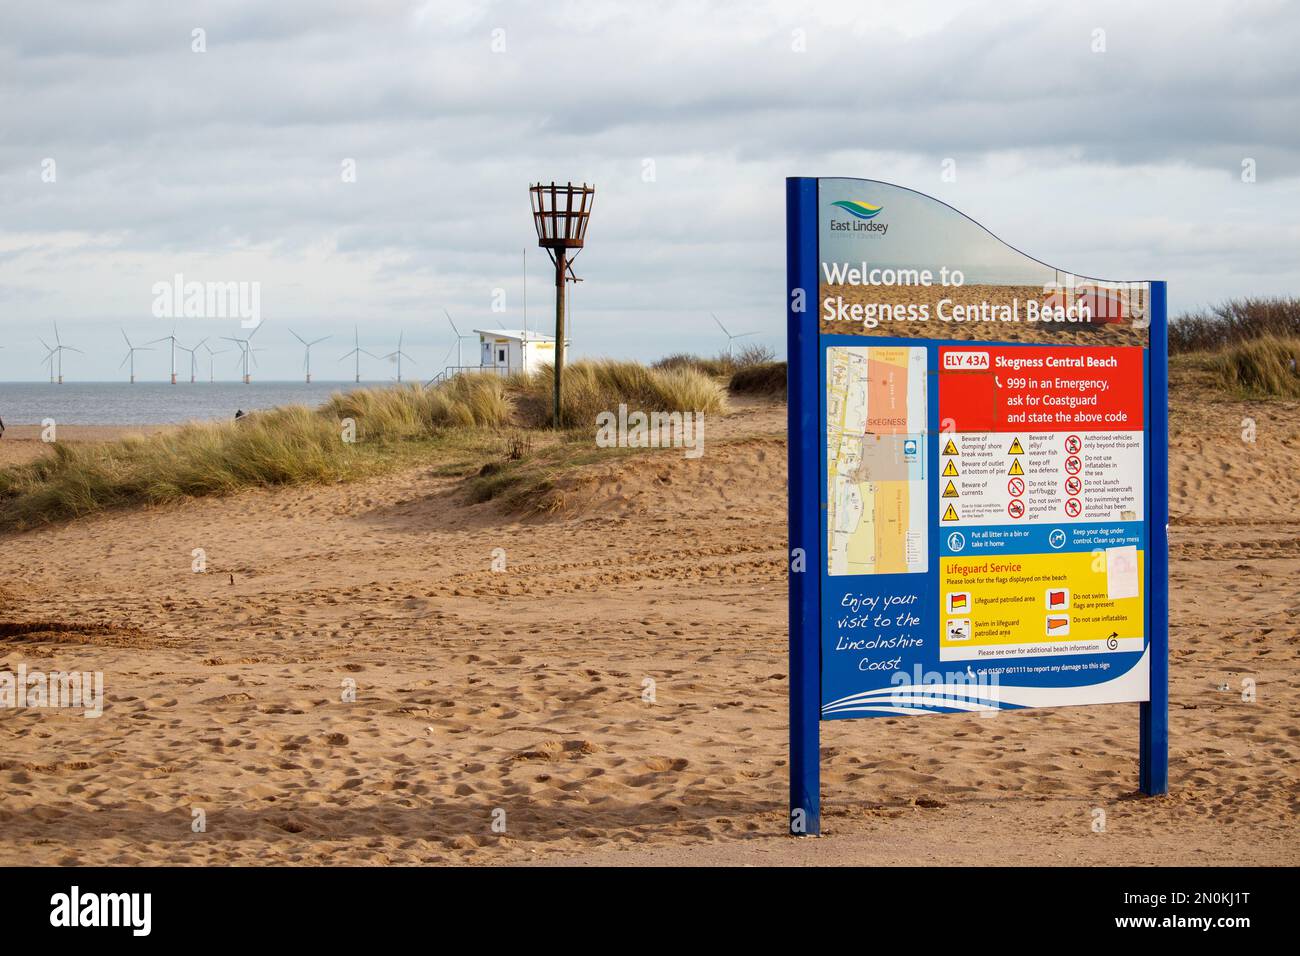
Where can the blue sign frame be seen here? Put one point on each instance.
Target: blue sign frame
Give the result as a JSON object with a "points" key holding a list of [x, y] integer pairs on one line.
{"points": [[808, 504]]}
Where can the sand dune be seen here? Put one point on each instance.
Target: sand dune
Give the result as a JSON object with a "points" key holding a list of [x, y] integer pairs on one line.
{"points": [[526, 691]]}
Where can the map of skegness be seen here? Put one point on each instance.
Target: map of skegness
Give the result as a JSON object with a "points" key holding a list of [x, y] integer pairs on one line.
{"points": [[877, 514]]}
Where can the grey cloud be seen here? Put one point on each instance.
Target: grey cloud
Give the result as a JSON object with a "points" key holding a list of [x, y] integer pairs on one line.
{"points": [[230, 160]]}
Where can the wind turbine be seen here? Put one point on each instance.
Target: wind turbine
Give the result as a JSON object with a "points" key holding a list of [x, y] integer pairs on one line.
{"points": [[212, 375], [49, 358], [56, 355], [246, 351], [459, 363], [358, 351], [307, 346], [399, 355], [130, 354], [730, 338], [194, 355], [172, 339]]}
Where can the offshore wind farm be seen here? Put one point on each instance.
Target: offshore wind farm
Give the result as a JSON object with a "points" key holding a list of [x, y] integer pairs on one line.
{"points": [[165, 373], [207, 372], [164, 380], [180, 355]]}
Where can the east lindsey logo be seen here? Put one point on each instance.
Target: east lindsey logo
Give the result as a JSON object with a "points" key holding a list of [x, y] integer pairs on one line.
{"points": [[864, 217]]}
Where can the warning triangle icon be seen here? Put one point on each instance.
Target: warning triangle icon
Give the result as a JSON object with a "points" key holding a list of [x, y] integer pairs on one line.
{"points": [[950, 491], [950, 470], [950, 514], [1015, 467], [1016, 448], [950, 448]]}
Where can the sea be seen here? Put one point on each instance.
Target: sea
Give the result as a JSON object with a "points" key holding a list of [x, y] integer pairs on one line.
{"points": [[153, 403]]}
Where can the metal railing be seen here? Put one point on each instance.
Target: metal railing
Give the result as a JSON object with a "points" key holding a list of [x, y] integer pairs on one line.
{"points": [[453, 370]]}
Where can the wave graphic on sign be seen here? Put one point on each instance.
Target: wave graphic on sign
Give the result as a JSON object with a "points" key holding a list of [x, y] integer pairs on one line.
{"points": [[1133, 684], [855, 207]]}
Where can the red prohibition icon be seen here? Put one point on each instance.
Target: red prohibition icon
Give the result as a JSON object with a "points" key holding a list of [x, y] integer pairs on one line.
{"points": [[1016, 508], [1073, 485], [1073, 444], [1072, 507], [1016, 486], [1073, 465]]}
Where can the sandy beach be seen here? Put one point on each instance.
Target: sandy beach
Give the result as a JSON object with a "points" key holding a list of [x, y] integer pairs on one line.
{"points": [[617, 694]]}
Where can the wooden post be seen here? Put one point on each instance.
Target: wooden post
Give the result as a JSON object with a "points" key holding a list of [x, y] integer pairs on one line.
{"points": [[561, 266]]}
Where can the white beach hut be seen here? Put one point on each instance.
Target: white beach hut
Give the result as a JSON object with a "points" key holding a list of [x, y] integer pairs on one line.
{"points": [[515, 350]]}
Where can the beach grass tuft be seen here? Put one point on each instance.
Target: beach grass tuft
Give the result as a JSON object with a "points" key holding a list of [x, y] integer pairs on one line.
{"points": [[1266, 366], [284, 446], [403, 412], [767, 379], [600, 385]]}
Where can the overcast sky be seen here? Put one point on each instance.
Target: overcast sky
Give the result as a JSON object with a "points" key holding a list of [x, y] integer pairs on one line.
{"points": [[229, 164]]}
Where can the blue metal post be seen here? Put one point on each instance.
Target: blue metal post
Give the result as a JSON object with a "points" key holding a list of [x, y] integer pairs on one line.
{"points": [[1153, 771], [805, 430]]}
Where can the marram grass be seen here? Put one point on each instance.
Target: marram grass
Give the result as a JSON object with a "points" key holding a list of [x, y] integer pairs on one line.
{"points": [[409, 411], [296, 444], [595, 386], [284, 446], [1264, 366], [767, 378]]}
